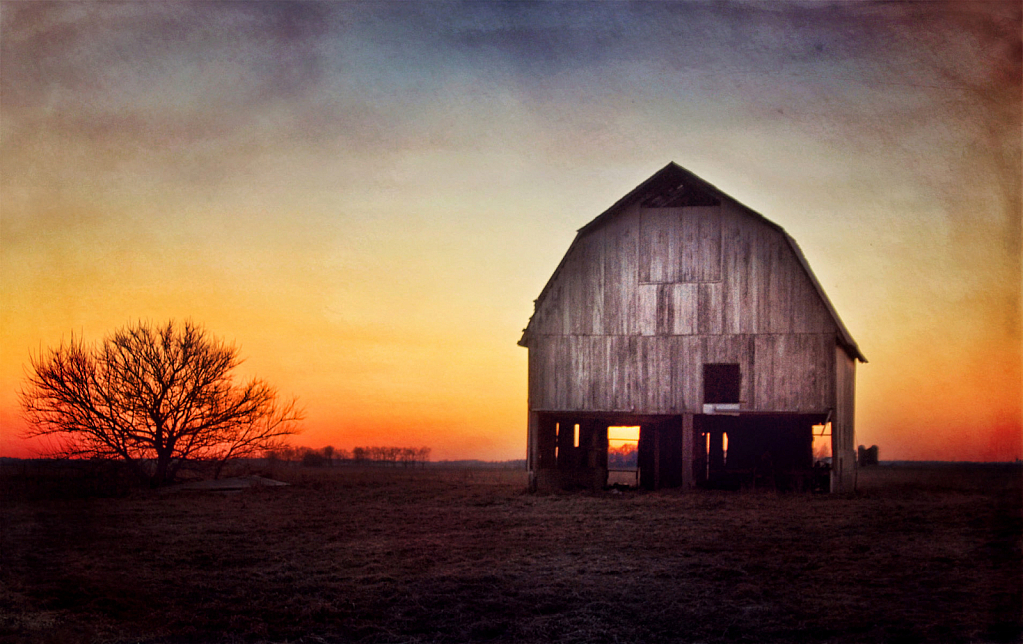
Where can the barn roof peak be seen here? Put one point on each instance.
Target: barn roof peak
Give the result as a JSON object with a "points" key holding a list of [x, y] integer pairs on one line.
{"points": [[672, 186]]}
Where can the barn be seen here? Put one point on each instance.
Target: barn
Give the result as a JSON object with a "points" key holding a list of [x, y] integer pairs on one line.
{"points": [[687, 315]]}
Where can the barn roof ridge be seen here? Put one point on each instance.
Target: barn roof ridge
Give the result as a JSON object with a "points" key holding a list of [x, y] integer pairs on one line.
{"points": [[686, 176]]}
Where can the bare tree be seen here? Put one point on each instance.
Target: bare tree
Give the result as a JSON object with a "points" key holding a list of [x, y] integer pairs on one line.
{"points": [[155, 396], [412, 455], [423, 455], [407, 456]]}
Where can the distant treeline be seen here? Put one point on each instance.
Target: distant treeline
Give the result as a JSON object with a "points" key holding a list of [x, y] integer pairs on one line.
{"points": [[623, 457], [329, 456]]}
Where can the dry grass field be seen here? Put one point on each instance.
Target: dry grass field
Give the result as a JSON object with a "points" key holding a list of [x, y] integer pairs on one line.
{"points": [[919, 554]]}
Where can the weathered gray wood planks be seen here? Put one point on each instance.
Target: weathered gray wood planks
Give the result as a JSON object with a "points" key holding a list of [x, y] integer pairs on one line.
{"points": [[609, 333]]}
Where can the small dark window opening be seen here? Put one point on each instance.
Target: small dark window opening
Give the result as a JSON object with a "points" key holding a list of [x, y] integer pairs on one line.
{"points": [[721, 383]]}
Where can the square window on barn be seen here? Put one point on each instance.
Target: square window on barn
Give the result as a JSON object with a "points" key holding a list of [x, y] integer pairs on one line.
{"points": [[721, 383]]}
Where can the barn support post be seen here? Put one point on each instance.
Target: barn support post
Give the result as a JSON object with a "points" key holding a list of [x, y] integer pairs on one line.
{"points": [[645, 459], [843, 439], [688, 439], [658, 448], [545, 470], [596, 452], [532, 446], [716, 456]]}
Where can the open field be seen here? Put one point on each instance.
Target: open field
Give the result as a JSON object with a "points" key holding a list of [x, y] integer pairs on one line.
{"points": [[919, 554]]}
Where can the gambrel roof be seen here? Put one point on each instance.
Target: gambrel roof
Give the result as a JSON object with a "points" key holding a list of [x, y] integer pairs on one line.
{"points": [[674, 186]]}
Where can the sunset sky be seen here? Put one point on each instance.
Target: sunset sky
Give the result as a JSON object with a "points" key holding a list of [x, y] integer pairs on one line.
{"points": [[368, 197]]}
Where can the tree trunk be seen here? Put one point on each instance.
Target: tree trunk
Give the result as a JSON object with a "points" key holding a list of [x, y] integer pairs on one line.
{"points": [[163, 461]]}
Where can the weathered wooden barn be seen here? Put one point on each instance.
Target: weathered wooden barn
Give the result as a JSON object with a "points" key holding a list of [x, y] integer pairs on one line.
{"points": [[683, 312]]}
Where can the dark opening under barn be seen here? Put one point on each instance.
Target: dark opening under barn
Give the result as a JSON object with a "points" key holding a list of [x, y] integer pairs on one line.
{"points": [[772, 451]]}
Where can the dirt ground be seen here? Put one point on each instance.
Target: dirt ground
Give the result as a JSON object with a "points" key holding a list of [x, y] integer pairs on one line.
{"points": [[918, 554]]}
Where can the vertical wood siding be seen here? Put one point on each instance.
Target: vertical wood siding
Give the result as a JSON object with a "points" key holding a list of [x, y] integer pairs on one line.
{"points": [[642, 301], [621, 273], [680, 244], [793, 372]]}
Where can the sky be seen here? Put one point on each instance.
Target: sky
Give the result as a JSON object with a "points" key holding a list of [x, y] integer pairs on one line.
{"points": [[367, 197]]}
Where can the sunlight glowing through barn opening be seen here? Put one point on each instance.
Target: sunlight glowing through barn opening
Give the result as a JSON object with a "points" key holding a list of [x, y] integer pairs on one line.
{"points": [[623, 455], [822, 442]]}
